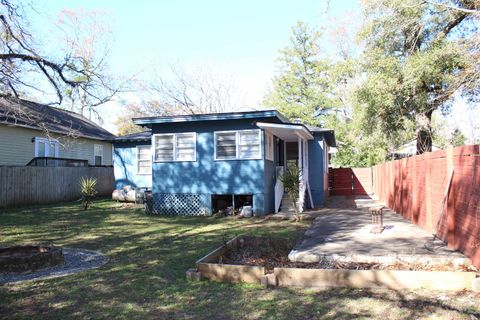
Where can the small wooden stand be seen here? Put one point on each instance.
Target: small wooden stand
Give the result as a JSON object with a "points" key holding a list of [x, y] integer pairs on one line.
{"points": [[376, 214]]}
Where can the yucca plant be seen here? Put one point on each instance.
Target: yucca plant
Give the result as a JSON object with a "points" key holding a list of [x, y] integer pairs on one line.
{"points": [[88, 191], [291, 184]]}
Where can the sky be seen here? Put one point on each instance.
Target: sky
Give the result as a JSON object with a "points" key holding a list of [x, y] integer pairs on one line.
{"points": [[235, 40]]}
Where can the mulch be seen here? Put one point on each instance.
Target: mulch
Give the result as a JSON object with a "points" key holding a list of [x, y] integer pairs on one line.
{"points": [[275, 255]]}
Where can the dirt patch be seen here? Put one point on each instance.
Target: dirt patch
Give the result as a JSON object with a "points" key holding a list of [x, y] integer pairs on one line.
{"points": [[273, 253]]}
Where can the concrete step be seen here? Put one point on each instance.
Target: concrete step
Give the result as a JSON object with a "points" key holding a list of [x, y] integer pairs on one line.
{"points": [[290, 207]]}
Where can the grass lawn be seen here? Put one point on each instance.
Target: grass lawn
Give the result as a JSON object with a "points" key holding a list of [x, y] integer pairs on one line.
{"points": [[145, 277]]}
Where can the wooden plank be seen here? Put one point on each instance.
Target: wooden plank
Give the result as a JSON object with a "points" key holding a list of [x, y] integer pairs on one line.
{"points": [[231, 273], [25, 186], [393, 279]]}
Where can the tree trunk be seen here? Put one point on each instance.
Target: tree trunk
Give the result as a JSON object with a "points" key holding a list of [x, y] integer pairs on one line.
{"points": [[424, 132]]}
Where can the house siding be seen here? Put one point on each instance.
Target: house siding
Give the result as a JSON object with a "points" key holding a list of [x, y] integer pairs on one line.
{"points": [[17, 148], [207, 176], [125, 165], [316, 169]]}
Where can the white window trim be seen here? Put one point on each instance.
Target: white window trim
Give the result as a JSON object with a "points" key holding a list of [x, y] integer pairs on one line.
{"points": [[151, 159], [95, 153], [269, 152], [325, 156], [237, 144], [154, 151], [44, 140]]}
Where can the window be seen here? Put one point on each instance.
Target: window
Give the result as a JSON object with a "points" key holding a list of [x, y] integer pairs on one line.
{"points": [[144, 159], [226, 145], [244, 144], [269, 146], [175, 147], [98, 154], [45, 147]]}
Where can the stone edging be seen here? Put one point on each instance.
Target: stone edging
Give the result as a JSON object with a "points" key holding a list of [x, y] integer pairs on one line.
{"points": [[76, 260]]}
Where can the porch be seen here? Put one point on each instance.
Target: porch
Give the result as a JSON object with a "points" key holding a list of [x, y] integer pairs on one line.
{"points": [[292, 149]]}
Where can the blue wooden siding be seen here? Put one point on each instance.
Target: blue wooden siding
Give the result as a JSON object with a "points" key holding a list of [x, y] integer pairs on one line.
{"points": [[316, 169], [125, 165], [207, 176]]}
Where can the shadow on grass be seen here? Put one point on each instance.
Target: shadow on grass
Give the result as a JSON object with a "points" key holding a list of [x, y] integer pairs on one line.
{"points": [[145, 277]]}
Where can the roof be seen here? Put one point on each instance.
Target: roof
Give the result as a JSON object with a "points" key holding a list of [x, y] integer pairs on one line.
{"points": [[148, 121], [32, 115], [286, 131], [329, 134], [258, 114], [139, 136]]}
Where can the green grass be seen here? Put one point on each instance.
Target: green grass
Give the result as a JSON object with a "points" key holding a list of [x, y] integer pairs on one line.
{"points": [[145, 277]]}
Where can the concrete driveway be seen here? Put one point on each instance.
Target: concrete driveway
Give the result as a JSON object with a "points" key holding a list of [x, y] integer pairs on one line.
{"points": [[342, 231]]}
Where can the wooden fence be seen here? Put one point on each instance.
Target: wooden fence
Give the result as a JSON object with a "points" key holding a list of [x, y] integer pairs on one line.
{"points": [[350, 181], [24, 186], [439, 191]]}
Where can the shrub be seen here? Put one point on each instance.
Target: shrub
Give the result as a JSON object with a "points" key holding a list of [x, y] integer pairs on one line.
{"points": [[291, 183], [88, 191]]}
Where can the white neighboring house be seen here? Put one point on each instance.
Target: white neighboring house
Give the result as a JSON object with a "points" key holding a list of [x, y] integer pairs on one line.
{"points": [[30, 130], [407, 150]]}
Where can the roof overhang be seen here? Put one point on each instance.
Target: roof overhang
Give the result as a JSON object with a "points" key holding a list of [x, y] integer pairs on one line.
{"points": [[286, 132], [259, 114]]}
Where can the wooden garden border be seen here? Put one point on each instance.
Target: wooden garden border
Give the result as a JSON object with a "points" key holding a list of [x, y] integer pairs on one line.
{"points": [[208, 269]]}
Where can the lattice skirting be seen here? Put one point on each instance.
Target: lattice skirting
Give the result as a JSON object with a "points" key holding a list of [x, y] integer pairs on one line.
{"points": [[177, 204]]}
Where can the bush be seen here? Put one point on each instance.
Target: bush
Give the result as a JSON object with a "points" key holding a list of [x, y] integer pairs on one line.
{"points": [[88, 191], [291, 183]]}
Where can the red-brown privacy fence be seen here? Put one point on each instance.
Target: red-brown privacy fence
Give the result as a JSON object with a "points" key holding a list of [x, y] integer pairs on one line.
{"points": [[350, 181], [439, 191]]}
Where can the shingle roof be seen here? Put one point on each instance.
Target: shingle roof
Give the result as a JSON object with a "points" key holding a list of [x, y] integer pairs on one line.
{"points": [[24, 113], [140, 136]]}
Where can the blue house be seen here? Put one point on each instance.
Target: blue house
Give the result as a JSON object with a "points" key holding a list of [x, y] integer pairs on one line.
{"points": [[199, 164]]}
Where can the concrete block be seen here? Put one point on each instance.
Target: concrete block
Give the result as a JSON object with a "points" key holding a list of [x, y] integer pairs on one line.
{"points": [[193, 275]]}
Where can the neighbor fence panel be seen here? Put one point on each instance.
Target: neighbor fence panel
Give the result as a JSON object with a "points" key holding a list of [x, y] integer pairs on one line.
{"points": [[439, 191], [24, 186]]}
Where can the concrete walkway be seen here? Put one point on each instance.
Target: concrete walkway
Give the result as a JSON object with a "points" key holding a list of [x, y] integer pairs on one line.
{"points": [[342, 230]]}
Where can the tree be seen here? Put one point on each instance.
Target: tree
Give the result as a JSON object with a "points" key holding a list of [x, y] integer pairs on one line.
{"points": [[192, 93], [457, 139], [87, 37], [417, 55], [300, 89], [180, 93], [25, 70], [145, 108]]}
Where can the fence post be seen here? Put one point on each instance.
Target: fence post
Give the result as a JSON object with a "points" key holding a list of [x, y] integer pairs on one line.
{"points": [[451, 241]]}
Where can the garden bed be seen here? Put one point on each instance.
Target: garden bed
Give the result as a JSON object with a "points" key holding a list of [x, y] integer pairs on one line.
{"points": [[265, 260], [273, 253]]}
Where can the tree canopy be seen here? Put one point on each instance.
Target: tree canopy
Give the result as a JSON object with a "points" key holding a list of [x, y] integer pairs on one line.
{"points": [[77, 70], [411, 59]]}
